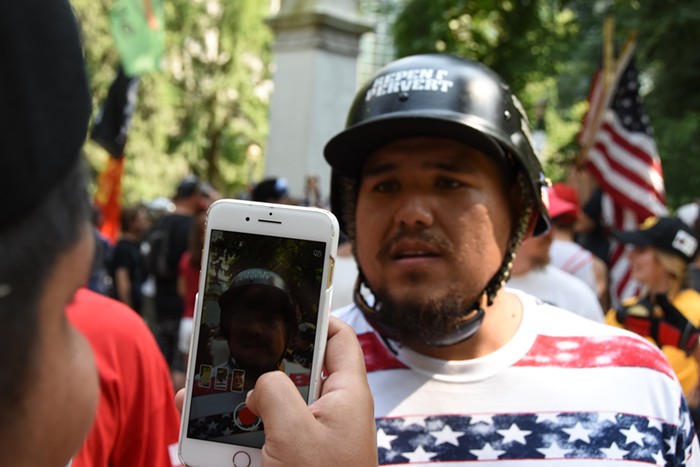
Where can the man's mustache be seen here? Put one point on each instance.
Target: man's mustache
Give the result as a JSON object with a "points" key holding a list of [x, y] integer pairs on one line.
{"points": [[429, 238]]}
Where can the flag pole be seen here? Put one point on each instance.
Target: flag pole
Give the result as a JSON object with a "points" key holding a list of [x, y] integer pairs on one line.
{"points": [[607, 79]]}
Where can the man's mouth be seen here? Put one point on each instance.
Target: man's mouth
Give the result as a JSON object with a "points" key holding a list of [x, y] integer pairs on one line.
{"points": [[413, 254]]}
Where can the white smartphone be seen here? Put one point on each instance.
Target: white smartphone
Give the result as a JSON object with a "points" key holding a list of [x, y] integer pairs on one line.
{"points": [[263, 305]]}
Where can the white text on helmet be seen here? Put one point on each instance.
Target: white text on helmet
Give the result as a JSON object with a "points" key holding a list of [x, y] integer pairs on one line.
{"points": [[418, 79]]}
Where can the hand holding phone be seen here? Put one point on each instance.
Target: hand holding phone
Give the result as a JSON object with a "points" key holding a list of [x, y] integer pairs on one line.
{"points": [[265, 288], [338, 429]]}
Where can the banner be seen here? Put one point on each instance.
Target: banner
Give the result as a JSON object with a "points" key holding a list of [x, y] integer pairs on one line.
{"points": [[138, 32]]}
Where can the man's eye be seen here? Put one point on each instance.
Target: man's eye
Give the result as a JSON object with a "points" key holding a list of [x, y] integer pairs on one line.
{"points": [[448, 183], [386, 186]]}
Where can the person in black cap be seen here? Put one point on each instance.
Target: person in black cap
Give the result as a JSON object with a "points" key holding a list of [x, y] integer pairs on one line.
{"points": [[667, 312], [272, 190], [50, 388], [48, 380], [167, 240], [47, 372]]}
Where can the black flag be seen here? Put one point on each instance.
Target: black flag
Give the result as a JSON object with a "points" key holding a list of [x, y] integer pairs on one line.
{"points": [[111, 125]]}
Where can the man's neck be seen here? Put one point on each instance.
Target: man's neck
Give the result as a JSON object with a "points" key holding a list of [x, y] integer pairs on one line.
{"points": [[501, 321]]}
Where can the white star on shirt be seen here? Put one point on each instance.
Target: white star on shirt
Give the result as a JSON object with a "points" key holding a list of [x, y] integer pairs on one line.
{"points": [[419, 455], [633, 436], [446, 435], [486, 453], [547, 417], [670, 441], [420, 421], [614, 451], [658, 458], [554, 451], [488, 419], [610, 416], [578, 432], [384, 440], [514, 433], [212, 426], [227, 432], [655, 423]]}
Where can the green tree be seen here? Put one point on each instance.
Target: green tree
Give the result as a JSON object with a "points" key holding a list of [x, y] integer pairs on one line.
{"points": [[206, 111], [525, 42], [548, 49]]}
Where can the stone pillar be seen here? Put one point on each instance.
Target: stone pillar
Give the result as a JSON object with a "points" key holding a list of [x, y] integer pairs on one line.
{"points": [[315, 55]]}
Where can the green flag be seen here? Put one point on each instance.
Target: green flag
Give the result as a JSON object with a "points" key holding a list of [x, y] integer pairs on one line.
{"points": [[138, 31]]}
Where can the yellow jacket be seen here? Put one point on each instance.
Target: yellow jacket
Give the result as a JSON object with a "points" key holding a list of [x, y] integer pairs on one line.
{"points": [[685, 367]]}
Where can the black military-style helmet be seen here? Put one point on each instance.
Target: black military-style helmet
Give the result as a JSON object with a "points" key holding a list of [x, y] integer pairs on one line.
{"points": [[440, 96], [259, 289]]}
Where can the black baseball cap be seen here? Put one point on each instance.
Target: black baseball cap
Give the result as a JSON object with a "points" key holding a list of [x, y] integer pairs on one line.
{"points": [[45, 102], [271, 189], [187, 187], [669, 234]]}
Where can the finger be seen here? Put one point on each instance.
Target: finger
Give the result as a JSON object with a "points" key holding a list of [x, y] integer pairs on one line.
{"points": [[344, 357], [180, 399], [277, 401]]}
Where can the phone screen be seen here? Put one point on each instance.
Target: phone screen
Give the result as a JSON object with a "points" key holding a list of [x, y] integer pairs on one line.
{"points": [[260, 305]]}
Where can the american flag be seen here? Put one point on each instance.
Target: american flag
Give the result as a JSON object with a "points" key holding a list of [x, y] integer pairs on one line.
{"points": [[621, 155]]}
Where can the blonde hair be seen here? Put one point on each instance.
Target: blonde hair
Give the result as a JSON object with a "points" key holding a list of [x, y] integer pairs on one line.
{"points": [[676, 267]]}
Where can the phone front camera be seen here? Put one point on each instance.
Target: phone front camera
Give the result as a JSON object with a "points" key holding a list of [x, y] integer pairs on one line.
{"points": [[247, 219]]}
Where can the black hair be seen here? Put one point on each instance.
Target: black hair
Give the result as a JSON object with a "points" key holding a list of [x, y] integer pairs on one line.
{"points": [[129, 215], [29, 249]]}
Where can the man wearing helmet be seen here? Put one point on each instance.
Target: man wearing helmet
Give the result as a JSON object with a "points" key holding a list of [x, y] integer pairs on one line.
{"points": [[436, 182], [259, 319]]}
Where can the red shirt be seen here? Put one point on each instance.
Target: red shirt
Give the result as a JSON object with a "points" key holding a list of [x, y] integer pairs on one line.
{"points": [[137, 422], [190, 275]]}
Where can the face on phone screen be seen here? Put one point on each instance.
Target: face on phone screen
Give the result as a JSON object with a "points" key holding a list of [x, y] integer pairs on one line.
{"points": [[259, 309]]}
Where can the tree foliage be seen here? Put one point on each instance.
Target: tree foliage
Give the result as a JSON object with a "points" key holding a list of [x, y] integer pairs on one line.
{"points": [[206, 111], [548, 49]]}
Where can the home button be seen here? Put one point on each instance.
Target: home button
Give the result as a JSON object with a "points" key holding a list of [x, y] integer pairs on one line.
{"points": [[241, 459]]}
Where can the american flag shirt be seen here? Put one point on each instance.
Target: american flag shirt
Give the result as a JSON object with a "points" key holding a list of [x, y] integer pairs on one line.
{"points": [[563, 390]]}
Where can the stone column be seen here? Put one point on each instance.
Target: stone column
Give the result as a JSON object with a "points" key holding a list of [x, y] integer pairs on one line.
{"points": [[315, 55]]}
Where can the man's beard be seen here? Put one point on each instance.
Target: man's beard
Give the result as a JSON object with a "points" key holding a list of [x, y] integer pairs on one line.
{"points": [[427, 321]]}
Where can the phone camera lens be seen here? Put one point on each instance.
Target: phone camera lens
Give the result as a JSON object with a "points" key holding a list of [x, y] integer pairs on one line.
{"points": [[247, 219]]}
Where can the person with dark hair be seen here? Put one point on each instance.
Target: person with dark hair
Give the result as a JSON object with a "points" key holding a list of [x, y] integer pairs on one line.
{"points": [[167, 241], [272, 190], [667, 312], [127, 267], [259, 319], [100, 279], [50, 391], [436, 182], [46, 240], [188, 282]]}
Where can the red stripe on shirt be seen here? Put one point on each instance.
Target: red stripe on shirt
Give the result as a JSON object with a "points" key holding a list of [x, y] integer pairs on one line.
{"points": [[594, 352], [377, 356]]}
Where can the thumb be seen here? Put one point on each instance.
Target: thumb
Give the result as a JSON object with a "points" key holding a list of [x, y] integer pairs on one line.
{"points": [[278, 402]]}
